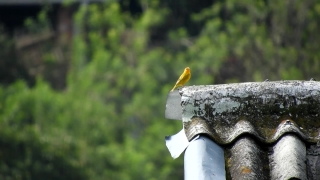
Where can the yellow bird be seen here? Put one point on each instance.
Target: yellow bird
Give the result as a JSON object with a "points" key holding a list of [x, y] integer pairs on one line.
{"points": [[185, 76]]}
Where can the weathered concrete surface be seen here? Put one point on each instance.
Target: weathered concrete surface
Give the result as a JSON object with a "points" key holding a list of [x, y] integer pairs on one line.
{"points": [[288, 159], [266, 110], [246, 160], [313, 162]]}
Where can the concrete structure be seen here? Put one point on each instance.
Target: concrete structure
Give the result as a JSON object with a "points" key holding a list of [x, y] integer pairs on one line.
{"points": [[267, 130]]}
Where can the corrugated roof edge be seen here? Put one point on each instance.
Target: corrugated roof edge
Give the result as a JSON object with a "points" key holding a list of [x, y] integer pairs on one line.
{"points": [[198, 126], [286, 159]]}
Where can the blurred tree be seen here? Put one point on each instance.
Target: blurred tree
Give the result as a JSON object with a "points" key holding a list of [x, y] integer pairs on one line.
{"points": [[27, 150], [10, 68], [270, 40]]}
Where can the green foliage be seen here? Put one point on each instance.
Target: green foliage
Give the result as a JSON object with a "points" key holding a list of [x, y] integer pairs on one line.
{"points": [[108, 121], [27, 149], [40, 24]]}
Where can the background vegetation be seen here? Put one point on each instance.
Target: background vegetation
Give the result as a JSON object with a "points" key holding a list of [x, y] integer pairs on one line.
{"points": [[107, 121]]}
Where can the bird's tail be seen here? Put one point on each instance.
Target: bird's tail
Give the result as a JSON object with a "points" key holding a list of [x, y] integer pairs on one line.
{"points": [[173, 88]]}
